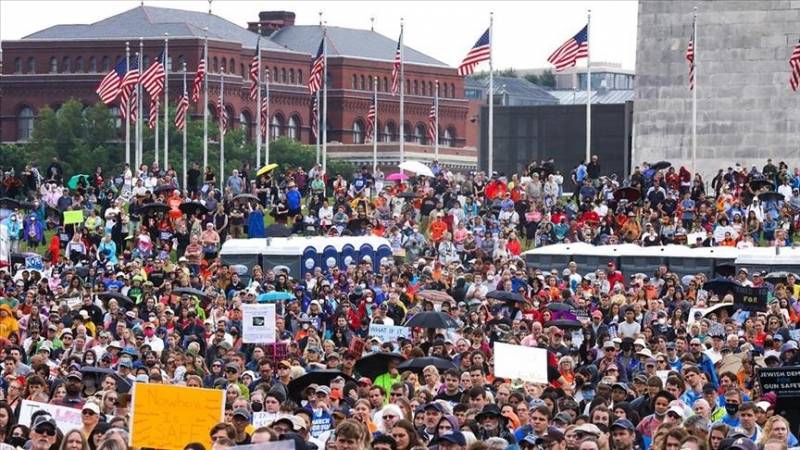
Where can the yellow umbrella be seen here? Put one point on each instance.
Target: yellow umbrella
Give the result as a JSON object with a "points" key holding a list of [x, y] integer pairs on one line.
{"points": [[266, 169]]}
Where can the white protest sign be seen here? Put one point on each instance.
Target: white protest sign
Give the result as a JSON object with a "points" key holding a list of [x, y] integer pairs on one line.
{"points": [[258, 324], [663, 374], [66, 418], [520, 362], [388, 333], [263, 419]]}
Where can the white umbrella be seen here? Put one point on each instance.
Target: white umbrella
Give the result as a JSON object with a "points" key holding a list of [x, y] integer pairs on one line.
{"points": [[417, 168]]}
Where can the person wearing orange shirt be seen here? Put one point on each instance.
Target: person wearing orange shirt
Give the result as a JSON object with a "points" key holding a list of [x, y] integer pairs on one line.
{"points": [[437, 228]]}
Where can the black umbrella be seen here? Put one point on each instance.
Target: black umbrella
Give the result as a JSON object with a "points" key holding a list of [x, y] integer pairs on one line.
{"points": [[191, 291], [778, 277], [559, 306], [19, 258], [726, 269], [506, 296], [416, 365], [150, 209], [566, 324], [246, 198], [96, 375], [757, 185], [164, 188], [8, 203], [122, 300], [277, 230], [771, 197], [193, 208], [319, 377], [720, 286], [431, 319], [377, 363], [630, 194], [661, 165]]}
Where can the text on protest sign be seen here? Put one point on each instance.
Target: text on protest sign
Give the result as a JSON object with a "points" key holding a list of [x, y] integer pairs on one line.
{"points": [[258, 324], [388, 333], [66, 418], [520, 362]]}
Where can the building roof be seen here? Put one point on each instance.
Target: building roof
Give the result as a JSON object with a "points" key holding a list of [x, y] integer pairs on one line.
{"points": [[348, 42], [519, 91], [605, 97]]}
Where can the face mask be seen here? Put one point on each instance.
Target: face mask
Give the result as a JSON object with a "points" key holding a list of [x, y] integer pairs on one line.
{"points": [[731, 408], [588, 395], [17, 442], [90, 361], [256, 406], [660, 416]]}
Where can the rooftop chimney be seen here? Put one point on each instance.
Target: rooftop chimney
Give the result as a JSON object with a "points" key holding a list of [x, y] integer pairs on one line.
{"points": [[271, 21]]}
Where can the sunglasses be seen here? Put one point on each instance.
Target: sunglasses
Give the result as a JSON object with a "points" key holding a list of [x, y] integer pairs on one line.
{"points": [[48, 431], [88, 413]]}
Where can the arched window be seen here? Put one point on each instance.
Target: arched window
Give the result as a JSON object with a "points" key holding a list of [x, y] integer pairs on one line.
{"points": [[293, 128], [385, 84], [245, 124], [300, 76], [92, 64], [214, 64], [424, 91], [449, 137], [408, 87], [66, 65], [419, 134], [358, 132], [53, 65], [355, 81], [416, 88], [223, 65], [389, 132], [291, 76], [283, 75], [276, 126], [275, 75], [407, 132], [25, 123], [79, 64], [363, 83], [452, 90], [181, 62], [17, 65], [106, 64], [241, 70], [431, 91], [31, 65]]}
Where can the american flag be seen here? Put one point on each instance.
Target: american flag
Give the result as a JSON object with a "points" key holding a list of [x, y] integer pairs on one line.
{"points": [[370, 123], [127, 90], [264, 111], [576, 47], [198, 80], [794, 63], [254, 81], [223, 117], [180, 112], [134, 101], [432, 125], [314, 122], [317, 67], [690, 59], [398, 62], [480, 52], [153, 78], [108, 89], [152, 113]]}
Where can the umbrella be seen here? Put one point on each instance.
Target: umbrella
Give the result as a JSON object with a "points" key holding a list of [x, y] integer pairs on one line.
{"points": [[191, 291], [278, 230], [193, 208], [9, 203], [376, 364], [728, 306], [123, 300], [757, 185], [319, 377], [720, 286], [397, 176], [726, 269], [431, 319], [661, 165], [76, 179], [771, 197], [96, 375], [266, 169], [559, 306], [563, 323], [163, 188], [417, 168], [274, 296], [630, 194], [418, 364], [246, 197], [408, 195], [779, 277], [152, 208], [506, 296], [435, 296]]}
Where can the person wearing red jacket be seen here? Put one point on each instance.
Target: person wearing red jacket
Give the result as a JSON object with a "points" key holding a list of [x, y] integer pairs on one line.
{"points": [[614, 275]]}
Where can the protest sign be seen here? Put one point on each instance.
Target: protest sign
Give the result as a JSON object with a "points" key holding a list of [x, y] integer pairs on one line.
{"points": [[71, 217], [520, 362], [34, 262], [66, 418], [783, 381], [749, 298], [170, 416], [258, 323], [277, 445], [388, 333]]}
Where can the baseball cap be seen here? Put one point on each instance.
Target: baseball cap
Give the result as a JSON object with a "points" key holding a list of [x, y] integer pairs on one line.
{"points": [[435, 405], [44, 419], [764, 406], [625, 424], [553, 435], [241, 412], [76, 375], [296, 422], [677, 410], [588, 428], [743, 444], [91, 406], [323, 389], [454, 437], [364, 380]]}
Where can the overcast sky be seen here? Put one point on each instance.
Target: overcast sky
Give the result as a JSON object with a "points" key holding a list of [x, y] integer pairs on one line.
{"points": [[525, 33]]}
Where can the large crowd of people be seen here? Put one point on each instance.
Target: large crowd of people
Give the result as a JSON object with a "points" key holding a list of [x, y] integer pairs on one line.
{"points": [[108, 280]]}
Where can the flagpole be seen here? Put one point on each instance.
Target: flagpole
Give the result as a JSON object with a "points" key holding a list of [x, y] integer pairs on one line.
{"points": [[140, 101], [127, 107], [316, 113], [588, 88], [375, 126], [166, 100], [221, 114], [491, 99], [185, 121], [694, 93], [155, 134], [136, 124], [325, 99], [402, 97], [258, 102], [205, 97], [436, 122]]}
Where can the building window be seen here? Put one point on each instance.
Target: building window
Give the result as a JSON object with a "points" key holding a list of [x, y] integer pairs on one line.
{"points": [[300, 76], [31, 65], [389, 132], [283, 75], [355, 81], [408, 87], [358, 132], [92, 64], [407, 132], [241, 70], [214, 64], [169, 67], [276, 126], [291, 76], [449, 137], [431, 90], [419, 134], [293, 128], [79, 64], [452, 90], [423, 89], [385, 84], [224, 65], [275, 75], [17, 65], [66, 66], [363, 83], [25, 122], [416, 88], [106, 64], [53, 65], [181, 62]]}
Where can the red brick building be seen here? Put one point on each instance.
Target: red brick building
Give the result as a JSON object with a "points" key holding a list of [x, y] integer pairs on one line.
{"points": [[68, 61]]}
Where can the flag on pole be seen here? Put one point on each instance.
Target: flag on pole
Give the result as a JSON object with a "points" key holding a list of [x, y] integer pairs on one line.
{"points": [[264, 115], [223, 117], [794, 63], [479, 52], [152, 113], [127, 87], [181, 110], [134, 101], [317, 67], [398, 61], [432, 124], [198, 80], [153, 78], [109, 86], [314, 113], [254, 85], [568, 54], [690, 59], [370, 123]]}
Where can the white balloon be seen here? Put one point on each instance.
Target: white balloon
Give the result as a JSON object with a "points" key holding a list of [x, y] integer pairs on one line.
{"points": [[310, 263], [331, 261]]}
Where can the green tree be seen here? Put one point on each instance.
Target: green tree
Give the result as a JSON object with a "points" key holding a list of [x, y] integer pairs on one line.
{"points": [[545, 79], [509, 73]]}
